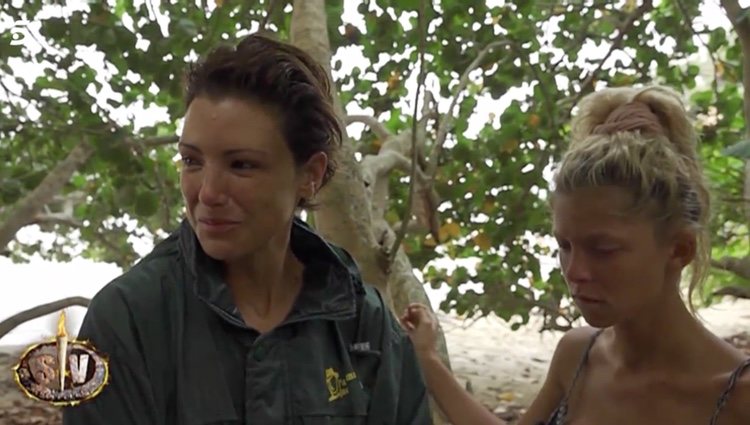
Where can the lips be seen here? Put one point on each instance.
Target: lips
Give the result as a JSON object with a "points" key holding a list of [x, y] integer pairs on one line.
{"points": [[216, 221], [587, 299], [216, 225]]}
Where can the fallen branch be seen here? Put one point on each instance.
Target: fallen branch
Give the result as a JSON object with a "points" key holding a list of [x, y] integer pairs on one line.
{"points": [[11, 322]]}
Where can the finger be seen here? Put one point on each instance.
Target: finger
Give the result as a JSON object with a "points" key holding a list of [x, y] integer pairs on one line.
{"points": [[421, 315], [406, 323], [407, 320]]}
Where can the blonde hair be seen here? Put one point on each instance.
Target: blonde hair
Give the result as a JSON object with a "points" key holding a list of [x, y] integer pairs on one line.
{"points": [[641, 139]]}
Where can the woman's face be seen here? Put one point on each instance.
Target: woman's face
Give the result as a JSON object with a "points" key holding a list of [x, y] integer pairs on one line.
{"points": [[615, 266], [238, 178]]}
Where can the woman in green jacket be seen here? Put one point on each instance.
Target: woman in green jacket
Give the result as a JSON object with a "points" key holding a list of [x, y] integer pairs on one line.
{"points": [[245, 315]]}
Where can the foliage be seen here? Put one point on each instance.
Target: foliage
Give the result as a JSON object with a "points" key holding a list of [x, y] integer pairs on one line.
{"points": [[492, 180]]}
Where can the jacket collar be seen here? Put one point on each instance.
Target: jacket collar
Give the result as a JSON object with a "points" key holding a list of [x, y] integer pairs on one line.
{"points": [[330, 279]]}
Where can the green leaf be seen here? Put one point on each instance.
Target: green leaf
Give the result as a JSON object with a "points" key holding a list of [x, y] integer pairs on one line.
{"points": [[187, 27], [146, 204], [120, 7], [703, 99], [54, 28]]}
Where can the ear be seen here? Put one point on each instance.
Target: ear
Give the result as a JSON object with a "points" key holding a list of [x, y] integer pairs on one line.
{"points": [[311, 175], [684, 248]]}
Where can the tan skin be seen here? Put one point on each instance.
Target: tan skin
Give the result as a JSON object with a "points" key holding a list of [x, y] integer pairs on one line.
{"points": [[241, 187], [654, 364]]}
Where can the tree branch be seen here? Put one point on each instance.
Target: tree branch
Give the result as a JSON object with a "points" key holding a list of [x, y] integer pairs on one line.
{"points": [[543, 86], [446, 121], [55, 218], [414, 130], [266, 19], [689, 24], [581, 36], [376, 126], [735, 14], [31, 204], [732, 291], [377, 168], [738, 266], [616, 44], [413, 227], [166, 199], [11, 322], [151, 142]]}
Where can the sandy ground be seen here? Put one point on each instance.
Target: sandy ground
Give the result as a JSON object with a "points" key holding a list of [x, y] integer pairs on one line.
{"points": [[503, 368], [506, 368]]}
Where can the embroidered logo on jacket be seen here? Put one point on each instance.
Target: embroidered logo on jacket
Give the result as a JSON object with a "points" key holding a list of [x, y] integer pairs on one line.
{"points": [[338, 387], [62, 372]]}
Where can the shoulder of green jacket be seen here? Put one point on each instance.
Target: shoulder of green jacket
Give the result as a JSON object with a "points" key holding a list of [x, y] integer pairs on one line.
{"points": [[374, 307], [149, 276], [374, 304]]}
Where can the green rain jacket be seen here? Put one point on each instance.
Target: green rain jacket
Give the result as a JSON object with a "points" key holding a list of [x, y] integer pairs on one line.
{"points": [[180, 353]]}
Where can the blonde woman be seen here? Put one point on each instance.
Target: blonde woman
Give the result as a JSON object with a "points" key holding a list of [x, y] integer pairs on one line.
{"points": [[630, 209]]}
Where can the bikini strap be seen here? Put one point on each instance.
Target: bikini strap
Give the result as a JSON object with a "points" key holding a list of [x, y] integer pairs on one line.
{"points": [[561, 413], [727, 391]]}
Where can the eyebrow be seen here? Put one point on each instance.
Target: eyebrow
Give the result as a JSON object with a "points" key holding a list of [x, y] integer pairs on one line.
{"points": [[228, 152], [597, 236]]}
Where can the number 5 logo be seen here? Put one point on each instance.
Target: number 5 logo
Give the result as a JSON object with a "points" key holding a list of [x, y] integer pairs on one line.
{"points": [[17, 36]]}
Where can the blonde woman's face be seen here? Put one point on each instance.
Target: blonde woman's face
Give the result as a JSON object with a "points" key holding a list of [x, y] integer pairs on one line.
{"points": [[614, 265]]}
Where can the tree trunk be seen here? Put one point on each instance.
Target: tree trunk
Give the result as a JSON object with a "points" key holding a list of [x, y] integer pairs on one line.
{"points": [[10, 323], [345, 213], [739, 19]]}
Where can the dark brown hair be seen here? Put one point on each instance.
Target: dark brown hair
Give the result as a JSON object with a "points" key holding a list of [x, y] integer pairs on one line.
{"points": [[283, 77]]}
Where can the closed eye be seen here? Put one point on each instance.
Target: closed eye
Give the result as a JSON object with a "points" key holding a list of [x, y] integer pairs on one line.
{"points": [[564, 245], [606, 250]]}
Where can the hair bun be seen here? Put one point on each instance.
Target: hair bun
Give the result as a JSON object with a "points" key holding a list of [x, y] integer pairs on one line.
{"points": [[630, 116]]}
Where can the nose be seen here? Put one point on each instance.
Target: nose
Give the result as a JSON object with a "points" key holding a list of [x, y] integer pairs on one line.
{"points": [[213, 187], [576, 267]]}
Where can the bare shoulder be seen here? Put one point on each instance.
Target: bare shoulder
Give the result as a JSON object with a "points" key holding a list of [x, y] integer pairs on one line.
{"points": [[743, 395], [738, 405], [568, 355], [572, 346], [577, 336]]}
